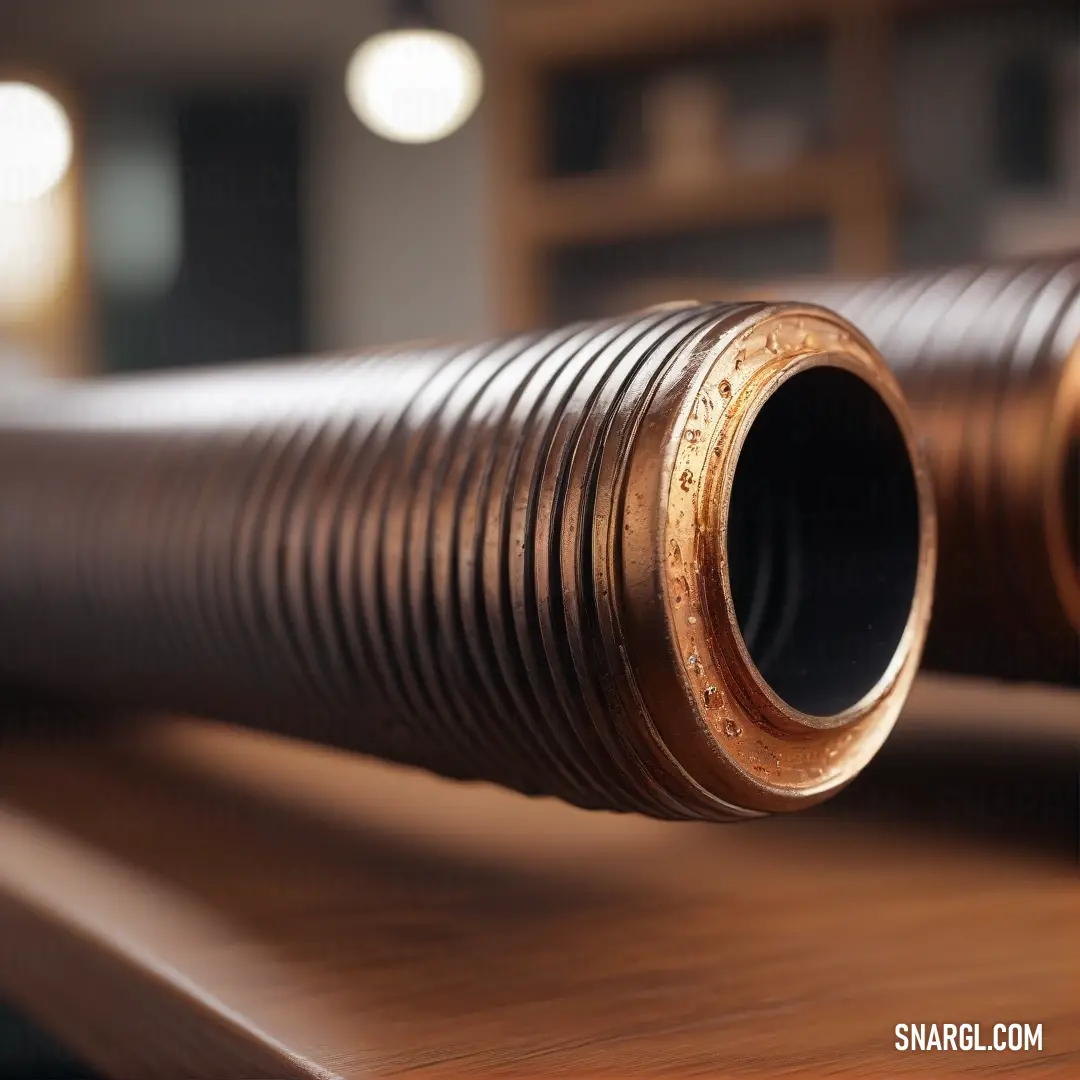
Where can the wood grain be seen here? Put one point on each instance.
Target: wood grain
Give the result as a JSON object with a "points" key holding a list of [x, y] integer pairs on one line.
{"points": [[178, 898]]}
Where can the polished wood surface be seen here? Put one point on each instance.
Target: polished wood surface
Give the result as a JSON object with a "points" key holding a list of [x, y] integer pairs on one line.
{"points": [[182, 899]]}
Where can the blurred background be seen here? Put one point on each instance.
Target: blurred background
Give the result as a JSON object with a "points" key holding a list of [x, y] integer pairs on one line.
{"points": [[216, 180], [223, 199]]}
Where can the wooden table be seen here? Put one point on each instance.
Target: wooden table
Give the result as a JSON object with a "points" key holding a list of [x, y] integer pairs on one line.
{"points": [[182, 899]]}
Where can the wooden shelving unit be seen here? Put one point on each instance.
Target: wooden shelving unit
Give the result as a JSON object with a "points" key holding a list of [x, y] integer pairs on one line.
{"points": [[562, 31], [851, 185], [611, 207]]}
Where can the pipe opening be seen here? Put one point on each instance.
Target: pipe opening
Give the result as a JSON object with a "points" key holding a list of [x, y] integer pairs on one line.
{"points": [[823, 540]]}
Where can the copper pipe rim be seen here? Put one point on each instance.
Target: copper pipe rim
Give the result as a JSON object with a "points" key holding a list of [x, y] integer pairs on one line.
{"points": [[1062, 492], [773, 755], [909, 639]]}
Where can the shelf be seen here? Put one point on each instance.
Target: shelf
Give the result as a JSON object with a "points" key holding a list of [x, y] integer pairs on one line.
{"points": [[615, 207], [603, 29], [560, 32], [651, 292]]}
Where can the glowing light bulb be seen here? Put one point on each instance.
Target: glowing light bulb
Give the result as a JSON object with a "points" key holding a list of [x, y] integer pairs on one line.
{"points": [[35, 142], [414, 86]]}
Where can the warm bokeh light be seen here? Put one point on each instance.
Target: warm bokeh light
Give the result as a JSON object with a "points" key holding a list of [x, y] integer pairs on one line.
{"points": [[35, 142], [414, 86], [36, 253]]}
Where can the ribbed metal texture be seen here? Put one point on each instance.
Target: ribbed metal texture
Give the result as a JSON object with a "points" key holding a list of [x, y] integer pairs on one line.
{"points": [[420, 554], [989, 357]]}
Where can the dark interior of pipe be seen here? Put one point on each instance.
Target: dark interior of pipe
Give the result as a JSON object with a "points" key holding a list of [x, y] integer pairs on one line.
{"points": [[823, 540]]}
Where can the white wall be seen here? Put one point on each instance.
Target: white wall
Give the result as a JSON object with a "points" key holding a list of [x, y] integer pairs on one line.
{"points": [[397, 235]]}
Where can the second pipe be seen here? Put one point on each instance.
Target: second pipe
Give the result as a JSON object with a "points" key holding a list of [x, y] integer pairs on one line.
{"points": [[989, 356]]}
